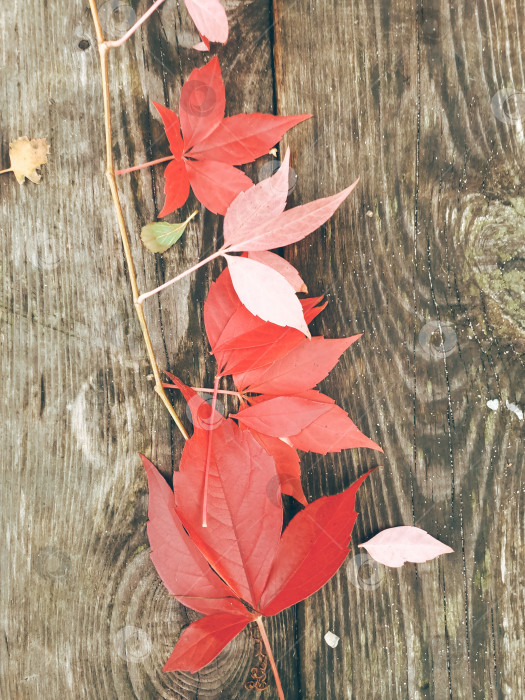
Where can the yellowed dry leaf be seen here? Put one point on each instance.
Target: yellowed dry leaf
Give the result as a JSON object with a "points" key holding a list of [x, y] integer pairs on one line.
{"points": [[26, 157]]}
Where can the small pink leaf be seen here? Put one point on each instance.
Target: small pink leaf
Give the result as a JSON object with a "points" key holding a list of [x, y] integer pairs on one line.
{"points": [[397, 545], [266, 293]]}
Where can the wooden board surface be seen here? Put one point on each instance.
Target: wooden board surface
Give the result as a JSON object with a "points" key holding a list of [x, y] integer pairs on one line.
{"points": [[426, 103]]}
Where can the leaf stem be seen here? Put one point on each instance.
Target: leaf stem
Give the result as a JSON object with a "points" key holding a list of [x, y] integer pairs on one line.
{"points": [[144, 165], [208, 453], [7, 170], [133, 29], [268, 648], [110, 174], [227, 392], [140, 300]]}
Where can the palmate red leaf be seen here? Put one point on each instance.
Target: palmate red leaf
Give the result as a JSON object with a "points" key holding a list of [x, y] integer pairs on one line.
{"points": [[211, 144], [293, 565]]}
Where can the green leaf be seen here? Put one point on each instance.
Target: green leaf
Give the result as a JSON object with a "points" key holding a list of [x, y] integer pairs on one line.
{"points": [[160, 235]]}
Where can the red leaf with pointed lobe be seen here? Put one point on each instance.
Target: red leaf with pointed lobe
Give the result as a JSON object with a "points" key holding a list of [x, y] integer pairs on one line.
{"points": [[211, 144], [243, 523], [210, 19], [300, 369], [311, 550], [204, 640], [179, 563], [282, 416], [287, 464]]}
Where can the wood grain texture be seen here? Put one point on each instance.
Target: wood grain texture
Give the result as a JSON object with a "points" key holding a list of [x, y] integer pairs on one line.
{"points": [[426, 258], [84, 614]]}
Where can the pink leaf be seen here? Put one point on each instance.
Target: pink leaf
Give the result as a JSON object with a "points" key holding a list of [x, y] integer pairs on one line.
{"points": [[292, 225], [210, 19], [282, 266], [257, 206], [266, 293], [395, 546]]}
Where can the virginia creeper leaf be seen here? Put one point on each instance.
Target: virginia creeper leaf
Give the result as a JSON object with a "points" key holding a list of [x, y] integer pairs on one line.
{"points": [[210, 144], [210, 19]]}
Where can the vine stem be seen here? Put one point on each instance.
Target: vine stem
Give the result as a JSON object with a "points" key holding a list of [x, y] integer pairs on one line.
{"points": [[139, 301], [208, 454], [133, 29], [268, 648], [144, 165], [110, 174], [7, 170]]}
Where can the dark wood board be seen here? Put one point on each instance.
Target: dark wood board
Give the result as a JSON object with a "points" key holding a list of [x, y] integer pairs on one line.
{"points": [[426, 258]]}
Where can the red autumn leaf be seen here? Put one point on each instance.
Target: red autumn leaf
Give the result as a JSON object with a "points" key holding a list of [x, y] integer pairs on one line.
{"points": [[300, 369], [210, 19], [211, 145], [287, 464], [204, 639], [274, 572], [282, 416]]}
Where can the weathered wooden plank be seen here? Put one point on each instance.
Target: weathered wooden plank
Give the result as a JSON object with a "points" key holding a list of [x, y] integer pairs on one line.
{"points": [[83, 611], [403, 96]]}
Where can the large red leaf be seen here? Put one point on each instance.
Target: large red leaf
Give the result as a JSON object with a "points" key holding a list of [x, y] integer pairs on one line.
{"points": [[244, 524], [300, 369], [311, 550], [210, 19], [204, 639]]}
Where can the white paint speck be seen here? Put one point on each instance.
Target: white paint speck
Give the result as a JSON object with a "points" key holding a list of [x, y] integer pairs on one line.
{"points": [[515, 409], [493, 404], [331, 639]]}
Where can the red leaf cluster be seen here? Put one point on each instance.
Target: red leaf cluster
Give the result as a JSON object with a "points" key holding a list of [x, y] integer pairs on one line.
{"points": [[242, 566], [210, 145], [274, 370]]}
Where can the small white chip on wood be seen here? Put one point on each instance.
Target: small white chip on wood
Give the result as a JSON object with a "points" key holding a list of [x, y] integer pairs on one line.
{"points": [[331, 639], [493, 404]]}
